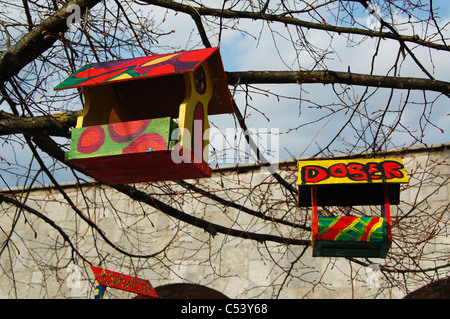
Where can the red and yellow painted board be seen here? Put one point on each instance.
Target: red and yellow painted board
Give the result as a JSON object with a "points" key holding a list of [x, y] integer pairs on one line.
{"points": [[112, 279], [322, 172], [136, 68], [350, 182], [351, 228]]}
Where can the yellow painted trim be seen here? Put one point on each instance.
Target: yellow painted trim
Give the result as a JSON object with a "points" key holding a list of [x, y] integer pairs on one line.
{"points": [[103, 97], [187, 108], [159, 60], [121, 77], [85, 111], [375, 227]]}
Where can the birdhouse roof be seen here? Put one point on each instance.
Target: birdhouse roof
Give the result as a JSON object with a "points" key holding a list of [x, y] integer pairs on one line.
{"points": [[135, 69], [348, 182]]}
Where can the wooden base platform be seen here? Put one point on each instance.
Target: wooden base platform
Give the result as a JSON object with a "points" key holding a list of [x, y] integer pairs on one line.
{"points": [[349, 236], [133, 152], [142, 167]]}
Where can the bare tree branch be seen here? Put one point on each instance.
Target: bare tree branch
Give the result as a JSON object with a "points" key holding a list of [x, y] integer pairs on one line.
{"points": [[38, 40], [335, 77], [286, 19], [55, 125]]}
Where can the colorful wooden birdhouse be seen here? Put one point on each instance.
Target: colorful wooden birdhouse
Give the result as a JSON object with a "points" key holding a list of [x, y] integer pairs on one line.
{"points": [[112, 279], [356, 182], [146, 119]]}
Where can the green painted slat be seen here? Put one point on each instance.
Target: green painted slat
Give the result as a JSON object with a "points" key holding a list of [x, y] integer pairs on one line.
{"points": [[98, 141]]}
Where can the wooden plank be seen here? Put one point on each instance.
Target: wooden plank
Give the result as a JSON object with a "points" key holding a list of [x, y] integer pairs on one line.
{"points": [[119, 153], [99, 291], [351, 182], [198, 95], [146, 167], [351, 228], [349, 194], [121, 138], [113, 279], [352, 171], [324, 248]]}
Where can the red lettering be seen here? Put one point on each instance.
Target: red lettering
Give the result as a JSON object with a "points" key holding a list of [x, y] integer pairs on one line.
{"points": [[313, 174], [338, 170], [356, 172], [373, 169], [392, 169]]}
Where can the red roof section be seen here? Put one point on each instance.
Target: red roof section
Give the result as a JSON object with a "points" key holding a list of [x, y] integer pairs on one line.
{"points": [[137, 68]]}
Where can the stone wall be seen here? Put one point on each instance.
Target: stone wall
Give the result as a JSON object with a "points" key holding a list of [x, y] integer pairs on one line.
{"points": [[137, 239]]}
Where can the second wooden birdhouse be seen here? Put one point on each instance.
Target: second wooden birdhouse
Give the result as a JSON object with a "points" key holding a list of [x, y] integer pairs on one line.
{"points": [[146, 119], [356, 182]]}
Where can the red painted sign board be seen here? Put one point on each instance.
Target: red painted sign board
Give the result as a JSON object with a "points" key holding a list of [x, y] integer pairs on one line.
{"points": [[113, 279]]}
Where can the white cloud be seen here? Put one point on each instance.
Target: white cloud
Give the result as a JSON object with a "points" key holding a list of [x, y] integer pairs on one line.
{"points": [[262, 54]]}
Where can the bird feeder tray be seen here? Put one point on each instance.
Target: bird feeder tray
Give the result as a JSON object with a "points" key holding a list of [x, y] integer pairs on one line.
{"points": [[146, 119], [351, 236], [351, 183]]}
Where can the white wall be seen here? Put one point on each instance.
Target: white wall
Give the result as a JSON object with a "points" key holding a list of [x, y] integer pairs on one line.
{"points": [[37, 262]]}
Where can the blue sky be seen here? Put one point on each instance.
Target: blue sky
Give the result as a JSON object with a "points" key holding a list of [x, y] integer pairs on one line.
{"points": [[242, 52]]}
